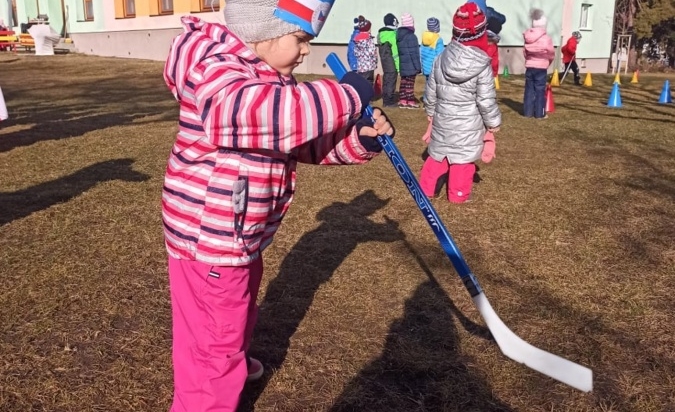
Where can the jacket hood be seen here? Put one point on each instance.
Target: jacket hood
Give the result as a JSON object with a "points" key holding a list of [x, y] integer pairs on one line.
{"points": [[460, 63], [387, 28], [532, 35], [430, 38], [209, 39], [362, 36], [403, 32]]}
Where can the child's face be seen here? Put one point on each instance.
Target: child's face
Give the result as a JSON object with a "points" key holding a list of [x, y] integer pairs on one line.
{"points": [[285, 53]]}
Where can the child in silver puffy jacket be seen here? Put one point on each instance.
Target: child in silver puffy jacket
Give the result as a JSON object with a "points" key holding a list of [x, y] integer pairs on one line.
{"points": [[462, 106]]}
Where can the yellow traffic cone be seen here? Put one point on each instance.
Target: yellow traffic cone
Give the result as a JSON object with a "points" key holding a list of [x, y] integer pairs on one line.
{"points": [[588, 82], [617, 78], [496, 82], [635, 77], [555, 81]]}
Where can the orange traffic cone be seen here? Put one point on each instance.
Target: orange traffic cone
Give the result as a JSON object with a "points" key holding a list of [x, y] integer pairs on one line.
{"points": [[550, 105], [635, 78]]}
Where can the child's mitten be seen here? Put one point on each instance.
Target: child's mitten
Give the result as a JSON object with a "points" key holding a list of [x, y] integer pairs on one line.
{"points": [[488, 147]]}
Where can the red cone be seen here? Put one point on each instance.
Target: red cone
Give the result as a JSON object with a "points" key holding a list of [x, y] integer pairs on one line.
{"points": [[550, 105], [378, 85]]}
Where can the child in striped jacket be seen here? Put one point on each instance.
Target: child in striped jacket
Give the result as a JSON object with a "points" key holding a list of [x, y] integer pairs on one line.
{"points": [[244, 125]]}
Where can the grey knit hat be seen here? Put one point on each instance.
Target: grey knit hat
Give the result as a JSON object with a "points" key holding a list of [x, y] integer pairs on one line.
{"points": [[259, 20]]}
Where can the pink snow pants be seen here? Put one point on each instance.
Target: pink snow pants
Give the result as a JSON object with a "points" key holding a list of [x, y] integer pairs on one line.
{"points": [[214, 311], [460, 178]]}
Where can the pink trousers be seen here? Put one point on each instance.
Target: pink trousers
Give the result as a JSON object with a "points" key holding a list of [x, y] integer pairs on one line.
{"points": [[460, 178], [214, 311]]}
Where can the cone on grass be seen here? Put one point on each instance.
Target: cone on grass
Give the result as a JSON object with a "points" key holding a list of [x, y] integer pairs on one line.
{"points": [[550, 105], [496, 82], [635, 77], [588, 81], [378, 85], [666, 97], [615, 97], [617, 78], [555, 79], [506, 71]]}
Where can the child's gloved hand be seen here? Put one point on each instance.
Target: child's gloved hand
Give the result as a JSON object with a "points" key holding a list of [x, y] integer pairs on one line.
{"points": [[362, 86], [489, 147], [368, 130]]}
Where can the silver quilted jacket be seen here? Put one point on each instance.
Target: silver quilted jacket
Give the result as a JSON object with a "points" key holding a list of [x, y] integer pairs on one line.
{"points": [[462, 100]]}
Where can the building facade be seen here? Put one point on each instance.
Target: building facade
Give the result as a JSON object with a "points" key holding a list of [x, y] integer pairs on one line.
{"points": [[144, 28]]}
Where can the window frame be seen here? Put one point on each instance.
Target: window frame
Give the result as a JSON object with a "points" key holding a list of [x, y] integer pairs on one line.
{"points": [[88, 17], [160, 8], [586, 14], [125, 13], [213, 7]]}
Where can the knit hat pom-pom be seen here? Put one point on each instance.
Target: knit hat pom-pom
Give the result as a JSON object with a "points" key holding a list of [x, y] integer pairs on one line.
{"points": [[538, 18]]}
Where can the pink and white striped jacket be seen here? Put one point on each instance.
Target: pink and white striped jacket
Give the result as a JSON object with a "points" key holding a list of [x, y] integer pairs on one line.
{"points": [[242, 129]]}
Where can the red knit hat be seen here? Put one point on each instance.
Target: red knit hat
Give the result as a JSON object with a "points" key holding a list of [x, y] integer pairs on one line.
{"points": [[469, 25], [362, 24]]}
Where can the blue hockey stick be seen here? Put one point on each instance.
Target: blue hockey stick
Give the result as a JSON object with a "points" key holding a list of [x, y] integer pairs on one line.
{"points": [[511, 345]]}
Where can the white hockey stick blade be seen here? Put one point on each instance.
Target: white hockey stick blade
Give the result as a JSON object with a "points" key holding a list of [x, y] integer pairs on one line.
{"points": [[512, 346]]}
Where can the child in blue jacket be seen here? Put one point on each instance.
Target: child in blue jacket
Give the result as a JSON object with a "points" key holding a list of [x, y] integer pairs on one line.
{"points": [[432, 46]]}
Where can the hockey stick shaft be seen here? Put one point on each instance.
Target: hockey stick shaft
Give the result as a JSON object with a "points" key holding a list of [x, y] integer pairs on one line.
{"points": [[569, 65], [511, 345]]}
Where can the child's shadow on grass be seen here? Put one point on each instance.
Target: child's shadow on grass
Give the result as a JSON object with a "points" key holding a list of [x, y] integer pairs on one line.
{"points": [[310, 264], [422, 367], [433, 368], [19, 204], [513, 105]]}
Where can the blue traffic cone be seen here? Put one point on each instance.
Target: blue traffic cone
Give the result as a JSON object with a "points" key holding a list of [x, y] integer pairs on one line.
{"points": [[665, 93], [614, 97]]}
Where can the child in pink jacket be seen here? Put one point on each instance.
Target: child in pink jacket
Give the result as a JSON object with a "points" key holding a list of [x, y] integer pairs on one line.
{"points": [[244, 125], [539, 54]]}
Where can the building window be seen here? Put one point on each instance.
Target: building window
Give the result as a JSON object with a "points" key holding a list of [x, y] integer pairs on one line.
{"points": [[585, 19], [165, 6], [209, 5], [89, 10], [129, 8]]}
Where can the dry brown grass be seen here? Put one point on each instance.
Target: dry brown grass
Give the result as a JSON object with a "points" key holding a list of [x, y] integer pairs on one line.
{"points": [[571, 235]]}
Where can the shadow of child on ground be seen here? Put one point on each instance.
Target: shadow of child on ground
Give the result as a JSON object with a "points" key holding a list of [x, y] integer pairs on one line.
{"points": [[19, 204], [422, 368], [311, 263]]}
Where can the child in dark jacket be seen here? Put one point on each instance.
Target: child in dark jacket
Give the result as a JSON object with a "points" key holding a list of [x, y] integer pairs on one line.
{"points": [[388, 48], [409, 61]]}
